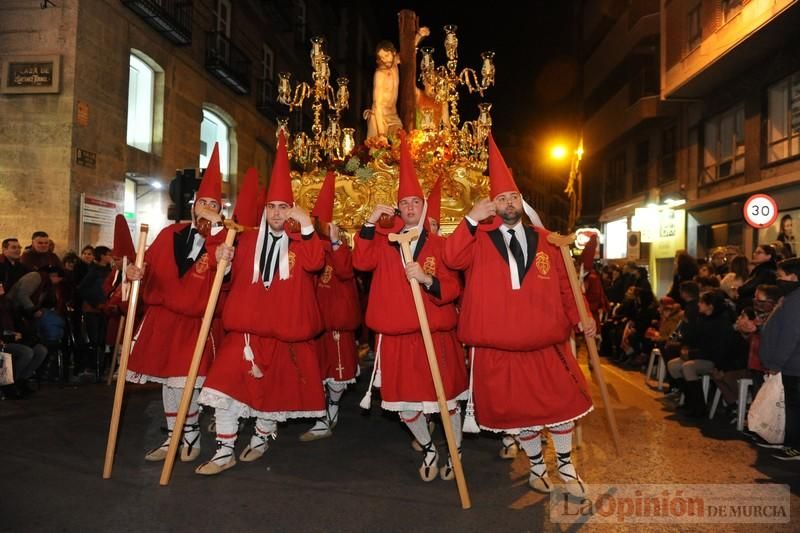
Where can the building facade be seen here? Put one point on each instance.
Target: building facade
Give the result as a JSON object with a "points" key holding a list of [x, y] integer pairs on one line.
{"points": [[688, 112], [147, 87]]}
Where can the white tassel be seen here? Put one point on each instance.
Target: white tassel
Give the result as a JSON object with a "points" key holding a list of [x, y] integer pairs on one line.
{"points": [[366, 401], [250, 356], [470, 424]]}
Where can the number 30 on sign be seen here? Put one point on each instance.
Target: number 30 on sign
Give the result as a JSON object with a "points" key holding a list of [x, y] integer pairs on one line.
{"points": [[760, 211]]}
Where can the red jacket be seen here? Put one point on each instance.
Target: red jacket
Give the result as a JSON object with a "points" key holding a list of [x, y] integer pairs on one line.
{"points": [[163, 285], [540, 313], [336, 290], [288, 309], [391, 309]]}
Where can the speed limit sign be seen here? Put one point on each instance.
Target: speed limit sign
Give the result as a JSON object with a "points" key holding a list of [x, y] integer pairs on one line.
{"points": [[760, 211]]}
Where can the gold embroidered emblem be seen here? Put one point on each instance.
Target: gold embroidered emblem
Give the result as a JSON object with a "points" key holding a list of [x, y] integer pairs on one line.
{"points": [[201, 266], [292, 260], [429, 266], [542, 263], [326, 274]]}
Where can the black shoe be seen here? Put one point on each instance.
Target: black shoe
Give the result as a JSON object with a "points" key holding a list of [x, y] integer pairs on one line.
{"points": [[695, 402], [10, 392], [788, 454]]}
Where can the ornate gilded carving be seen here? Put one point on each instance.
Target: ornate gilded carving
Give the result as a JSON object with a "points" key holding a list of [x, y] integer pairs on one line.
{"points": [[356, 197]]}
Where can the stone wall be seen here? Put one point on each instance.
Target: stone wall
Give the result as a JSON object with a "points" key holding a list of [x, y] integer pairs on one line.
{"points": [[36, 129]]}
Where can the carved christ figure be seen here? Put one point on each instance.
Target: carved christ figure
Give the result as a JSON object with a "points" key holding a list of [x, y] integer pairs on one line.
{"points": [[383, 120]]}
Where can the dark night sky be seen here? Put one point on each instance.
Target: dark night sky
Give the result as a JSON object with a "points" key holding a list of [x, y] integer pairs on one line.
{"points": [[534, 43]]}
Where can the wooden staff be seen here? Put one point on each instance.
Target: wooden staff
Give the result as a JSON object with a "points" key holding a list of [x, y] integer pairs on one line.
{"points": [[115, 354], [113, 429], [404, 240], [563, 243], [194, 368]]}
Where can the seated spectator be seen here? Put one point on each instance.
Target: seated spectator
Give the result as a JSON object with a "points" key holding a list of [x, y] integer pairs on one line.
{"points": [[39, 256], [719, 266], [34, 303], [706, 283], [763, 273], [780, 352], [730, 285], [87, 258], [93, 295], [714, 347], [685, 270], [645, 316], [670, 316], [11, 268], [25, 359], [704, 270], [613, 284]]}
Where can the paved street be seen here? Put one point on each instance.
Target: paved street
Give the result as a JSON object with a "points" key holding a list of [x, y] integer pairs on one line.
{"points": [[363, 479]]}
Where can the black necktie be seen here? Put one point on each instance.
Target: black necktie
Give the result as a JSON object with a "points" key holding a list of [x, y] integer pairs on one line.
{"points": [[516, 251], [266, 257]]}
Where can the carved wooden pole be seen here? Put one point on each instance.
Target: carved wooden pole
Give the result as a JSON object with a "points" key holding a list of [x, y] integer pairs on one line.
{"points": [[408, 24]]}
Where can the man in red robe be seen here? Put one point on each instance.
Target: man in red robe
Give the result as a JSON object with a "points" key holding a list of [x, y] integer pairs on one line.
{"points": [[517, 314], [341, 313], [400, 360], [177, 280], [267, 366]]}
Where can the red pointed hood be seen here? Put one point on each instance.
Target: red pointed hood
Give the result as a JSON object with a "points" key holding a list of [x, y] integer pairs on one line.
{"points": [[409, 184], [500, 178], [123, 242], [249, 202], [280, 184], [435, 201], [323, 208], [587, 254], [211, 186]]}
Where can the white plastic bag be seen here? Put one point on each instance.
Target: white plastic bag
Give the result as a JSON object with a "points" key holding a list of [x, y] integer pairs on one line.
{"points": [[6, 369], [767, 415]]}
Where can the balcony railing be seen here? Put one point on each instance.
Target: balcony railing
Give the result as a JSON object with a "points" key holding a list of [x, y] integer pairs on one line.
{"points": [[227, 62], [170, 18], [266, 99]]}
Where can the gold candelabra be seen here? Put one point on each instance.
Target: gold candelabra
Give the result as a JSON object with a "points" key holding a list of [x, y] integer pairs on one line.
{"points": [[332, 141], [443, 81]]}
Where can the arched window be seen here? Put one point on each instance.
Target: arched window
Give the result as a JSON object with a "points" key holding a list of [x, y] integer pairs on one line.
{"points": [[141, 104], [215, 130]]}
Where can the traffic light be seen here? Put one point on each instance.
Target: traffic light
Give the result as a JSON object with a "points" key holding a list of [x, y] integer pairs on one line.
{"points": [[181, 192]]}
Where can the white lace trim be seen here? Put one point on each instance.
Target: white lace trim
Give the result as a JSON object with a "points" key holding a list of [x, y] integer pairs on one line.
{"points": [[516, 431], [425, 407], [178, 382], [327, 381], [220, 400]]}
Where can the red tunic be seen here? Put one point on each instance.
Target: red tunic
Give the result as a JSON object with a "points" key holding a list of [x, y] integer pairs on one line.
{"points": [[165, 339], [280, 324], [341, 313], [524, 374], [406, 382]]}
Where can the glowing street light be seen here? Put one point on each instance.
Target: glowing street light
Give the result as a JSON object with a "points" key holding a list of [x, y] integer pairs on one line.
{"points": [[558, 152]]}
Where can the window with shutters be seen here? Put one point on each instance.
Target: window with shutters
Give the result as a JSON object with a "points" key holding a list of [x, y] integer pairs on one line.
{"points": [[723, 146], [783, 119]]}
